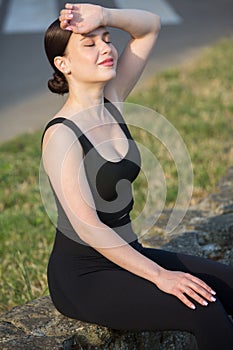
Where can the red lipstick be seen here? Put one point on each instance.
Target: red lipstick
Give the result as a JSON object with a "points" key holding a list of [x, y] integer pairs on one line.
{"points": [[109, 62]]}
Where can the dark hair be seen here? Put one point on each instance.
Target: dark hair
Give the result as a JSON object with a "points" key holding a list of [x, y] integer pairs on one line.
{"points": [[55, 42]]}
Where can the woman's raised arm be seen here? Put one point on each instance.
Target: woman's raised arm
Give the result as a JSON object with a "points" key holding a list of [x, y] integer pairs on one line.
{"points": [[142, 26]]}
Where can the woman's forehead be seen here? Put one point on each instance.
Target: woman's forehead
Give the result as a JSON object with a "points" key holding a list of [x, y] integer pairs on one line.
{"points": [[96, 32], [78, 38]]}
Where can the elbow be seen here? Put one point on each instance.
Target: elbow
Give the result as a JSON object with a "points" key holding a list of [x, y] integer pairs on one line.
{"points": [[92, 232], [156, 24], [154, 28]]}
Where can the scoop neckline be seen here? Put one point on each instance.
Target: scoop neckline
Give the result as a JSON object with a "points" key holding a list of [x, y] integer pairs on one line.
{"points": [[106, 101]]}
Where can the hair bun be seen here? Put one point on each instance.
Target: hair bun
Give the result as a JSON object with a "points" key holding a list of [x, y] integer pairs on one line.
{"points": [[58, 84]]}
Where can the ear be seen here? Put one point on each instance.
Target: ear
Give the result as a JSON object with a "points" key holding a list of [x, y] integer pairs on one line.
{"points": [[62, 65]]}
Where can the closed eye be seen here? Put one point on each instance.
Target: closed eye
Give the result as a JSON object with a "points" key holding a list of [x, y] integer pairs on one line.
{"points": [[88, 42], [106, 38], [89, 45]]}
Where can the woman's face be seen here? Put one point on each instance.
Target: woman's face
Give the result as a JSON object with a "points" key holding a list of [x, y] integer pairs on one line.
{"points": [[91, 57]]}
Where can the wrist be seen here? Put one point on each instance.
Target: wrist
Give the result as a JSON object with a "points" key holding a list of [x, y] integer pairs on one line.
{"points": [[105, 15], [157, 275]]}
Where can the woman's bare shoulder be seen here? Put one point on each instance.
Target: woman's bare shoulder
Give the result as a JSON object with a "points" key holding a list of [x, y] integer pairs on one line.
{"points": [[56, 133]]}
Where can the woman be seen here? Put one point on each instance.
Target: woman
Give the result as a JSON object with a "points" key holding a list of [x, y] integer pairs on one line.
{"points": [[98, 272]]}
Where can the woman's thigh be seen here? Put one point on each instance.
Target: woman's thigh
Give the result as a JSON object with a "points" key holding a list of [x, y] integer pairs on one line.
{"points": [[121, 300], [219, 276]]}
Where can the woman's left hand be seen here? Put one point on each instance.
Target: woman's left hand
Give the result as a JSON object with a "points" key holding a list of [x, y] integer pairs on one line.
{"points": [[81, 18]]}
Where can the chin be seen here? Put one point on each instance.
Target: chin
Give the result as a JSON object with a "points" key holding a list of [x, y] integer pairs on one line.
{"points": [[101, 76], [108, 76]]}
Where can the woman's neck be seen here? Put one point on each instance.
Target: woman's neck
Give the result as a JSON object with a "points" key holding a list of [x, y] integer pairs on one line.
{"points": [[84, 96]]}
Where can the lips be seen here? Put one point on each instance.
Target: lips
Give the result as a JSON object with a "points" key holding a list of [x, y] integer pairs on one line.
{"points": [[108, 62]]}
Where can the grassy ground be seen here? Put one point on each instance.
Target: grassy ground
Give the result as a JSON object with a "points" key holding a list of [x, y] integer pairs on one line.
{"points": [[196, 99]]}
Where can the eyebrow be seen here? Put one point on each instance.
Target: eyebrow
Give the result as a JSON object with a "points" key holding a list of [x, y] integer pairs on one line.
{"points": [[85, 36]]}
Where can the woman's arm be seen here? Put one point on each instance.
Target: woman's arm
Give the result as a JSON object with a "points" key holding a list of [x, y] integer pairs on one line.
{"points": [[68, 178], [142, 26]]}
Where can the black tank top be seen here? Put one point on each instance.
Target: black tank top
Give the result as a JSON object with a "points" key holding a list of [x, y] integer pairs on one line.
{"points": [[110, 184]]}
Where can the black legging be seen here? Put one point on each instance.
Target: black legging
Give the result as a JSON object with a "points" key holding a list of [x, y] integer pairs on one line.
{"points": [[119, 299]]}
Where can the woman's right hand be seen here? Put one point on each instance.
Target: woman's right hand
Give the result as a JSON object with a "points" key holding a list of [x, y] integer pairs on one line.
{"points": [[183, 285], [81, 18]]}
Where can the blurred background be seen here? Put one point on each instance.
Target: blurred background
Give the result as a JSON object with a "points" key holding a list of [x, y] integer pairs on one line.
{"points": [[25, 102]]}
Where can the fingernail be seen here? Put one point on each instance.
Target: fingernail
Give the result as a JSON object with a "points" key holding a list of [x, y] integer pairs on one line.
{"points": [[193, 307], [213, 299], [213, 292], [70, 15], [205, 303]]}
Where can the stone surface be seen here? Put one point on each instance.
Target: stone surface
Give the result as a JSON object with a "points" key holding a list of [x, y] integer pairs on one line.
{"points": [[220, 202], [207, 230], [38, 326], [207, 227]]}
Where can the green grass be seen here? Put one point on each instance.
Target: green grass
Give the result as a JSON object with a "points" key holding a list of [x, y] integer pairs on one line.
{"points": [[196, 99], [26, 233]]}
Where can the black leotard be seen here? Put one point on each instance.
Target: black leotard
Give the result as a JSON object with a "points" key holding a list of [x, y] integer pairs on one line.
{"points": [[85, 285]]}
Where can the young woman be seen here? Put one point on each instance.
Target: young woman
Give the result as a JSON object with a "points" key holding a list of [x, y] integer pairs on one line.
{"points": [[98, 271]]}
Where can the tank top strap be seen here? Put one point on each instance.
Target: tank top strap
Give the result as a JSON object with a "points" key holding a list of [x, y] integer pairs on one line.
{"points": [[114, 111], [85, 143]]}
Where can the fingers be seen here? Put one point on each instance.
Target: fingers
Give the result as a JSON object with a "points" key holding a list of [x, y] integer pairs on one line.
{"points": [[66, 14], [202, 284], [80, 18], [64, 18], [198, 290], [203, 290], [185, 286], [70, 18], [69, 6], [185, 300], [191, 293], [67, 20]]}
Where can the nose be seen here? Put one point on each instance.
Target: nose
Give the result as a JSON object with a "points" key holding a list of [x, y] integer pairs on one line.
{"points": [[105, 48]]}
